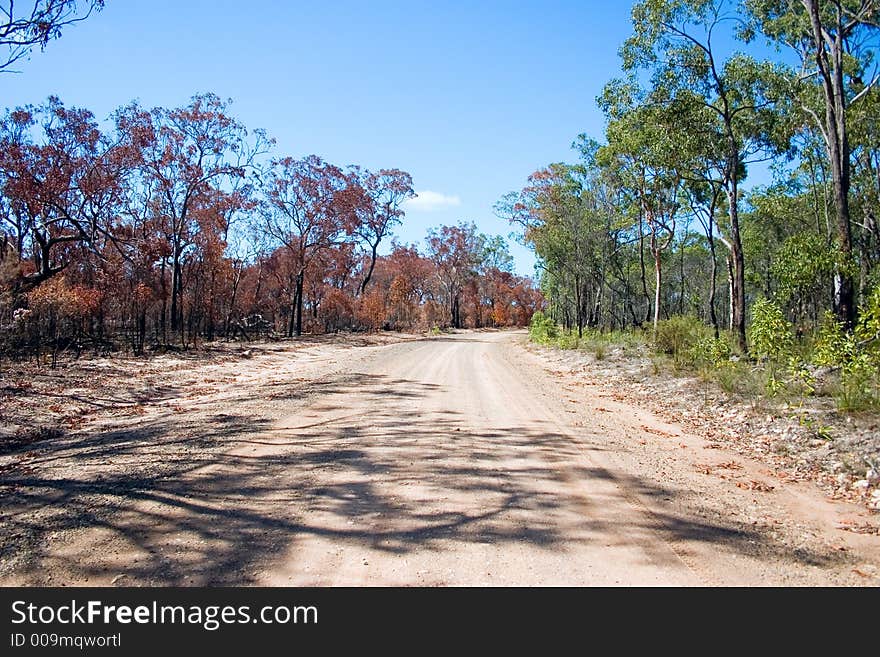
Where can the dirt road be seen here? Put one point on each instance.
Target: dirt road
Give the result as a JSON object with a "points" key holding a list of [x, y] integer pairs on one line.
{"points": [[456, 460]]}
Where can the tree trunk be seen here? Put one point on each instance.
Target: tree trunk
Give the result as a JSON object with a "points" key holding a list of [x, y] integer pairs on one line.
{"points": [[291, 321], [236, 280], [374, 247], [713, 317], [175, 289], [209, 321], [681, 274], [658, 280], [164, 318], [141, 330], [299, 303], [837, 143], [844, 287], [597, 305], [738, 278], [643, 270], [730, 291], [259, 287]]}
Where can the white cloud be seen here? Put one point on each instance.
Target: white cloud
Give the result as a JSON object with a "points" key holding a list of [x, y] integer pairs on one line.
{"points": [[428, 201]]}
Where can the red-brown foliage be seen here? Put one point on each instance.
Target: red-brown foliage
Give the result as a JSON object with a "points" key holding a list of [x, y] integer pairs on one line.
{"points": [[168, 229]]}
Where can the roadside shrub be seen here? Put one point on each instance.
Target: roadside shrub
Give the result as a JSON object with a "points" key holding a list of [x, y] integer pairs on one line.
{"points": [[542, 329], [59, 315], [770, 334], [859, 385], [338, 310], [868, 329], [710, 352], [597, 346], [677, 336], [739, 378], [856, 355], [627, 339], [568, 340]]}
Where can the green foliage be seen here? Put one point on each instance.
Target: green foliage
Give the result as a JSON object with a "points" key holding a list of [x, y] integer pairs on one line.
{"points": [[856, 355], [495, 253], [770, 334], [859, 384], [803, 267], [542, 329], [677, 336], [710, 352], [599, 342], [868, 329], [819, 430], [567, 340], [775, 384], [860, 370], [801, 376], [832, 347], [739, 378]]}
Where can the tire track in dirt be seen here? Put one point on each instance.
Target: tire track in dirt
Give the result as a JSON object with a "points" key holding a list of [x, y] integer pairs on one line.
{"points": [[461, 459]]}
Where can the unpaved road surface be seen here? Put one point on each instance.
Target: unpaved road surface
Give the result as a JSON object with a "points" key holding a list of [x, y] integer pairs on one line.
{"points": [[457, 460]]}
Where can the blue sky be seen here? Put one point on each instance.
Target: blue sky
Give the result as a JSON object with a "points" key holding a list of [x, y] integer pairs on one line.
{"points": [[470, 98]]}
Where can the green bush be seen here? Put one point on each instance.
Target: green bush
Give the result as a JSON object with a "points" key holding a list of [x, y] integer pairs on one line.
{"points": [[542, 329], [856, 355], [567, 340], [859, 385], [678, 335], [868, 329], [832, 347], [770, 334], [598, 349], [738, 377], [710, 352]]}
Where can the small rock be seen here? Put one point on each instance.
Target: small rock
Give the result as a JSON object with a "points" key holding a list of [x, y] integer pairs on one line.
{"points": [[861, 484], [872, 476]]}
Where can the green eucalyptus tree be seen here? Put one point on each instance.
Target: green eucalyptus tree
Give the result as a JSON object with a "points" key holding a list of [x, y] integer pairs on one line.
{"points": [[565, 214], [642, 151], [836, 43], [676, 41]]}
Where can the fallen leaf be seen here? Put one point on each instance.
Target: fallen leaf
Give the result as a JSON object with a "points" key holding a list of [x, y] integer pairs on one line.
{"points": [[864, 528], [658, 432], [759, 486]]}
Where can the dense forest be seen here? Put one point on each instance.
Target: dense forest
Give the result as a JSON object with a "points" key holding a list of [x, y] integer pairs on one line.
{"points": [[163, 227], [657, 220]]}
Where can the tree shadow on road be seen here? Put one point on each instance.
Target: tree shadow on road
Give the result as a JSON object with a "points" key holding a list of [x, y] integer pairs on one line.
{"points": [[231, 496]]}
